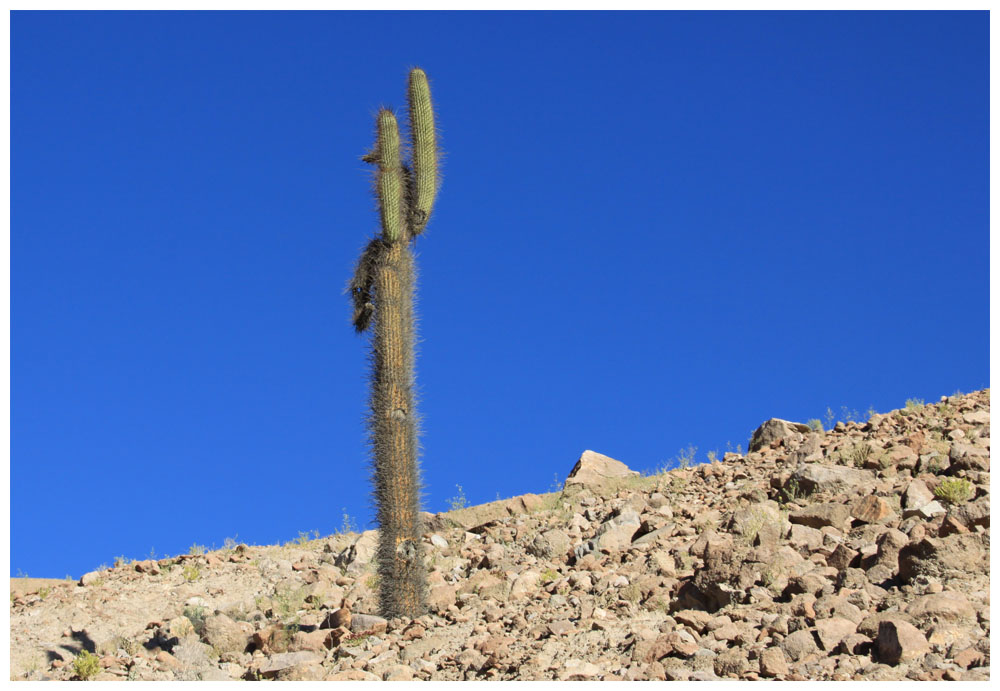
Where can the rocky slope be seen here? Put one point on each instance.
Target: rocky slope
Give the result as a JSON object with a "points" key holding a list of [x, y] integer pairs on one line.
{"points": [[859, 553]]}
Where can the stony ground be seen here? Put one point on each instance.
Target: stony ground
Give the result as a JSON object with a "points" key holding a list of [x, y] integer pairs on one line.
{"points": [[859, 553]]}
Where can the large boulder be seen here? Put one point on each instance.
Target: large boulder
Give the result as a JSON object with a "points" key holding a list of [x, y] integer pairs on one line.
{"points": [[954, 556], [596, 470], [774, 431]]}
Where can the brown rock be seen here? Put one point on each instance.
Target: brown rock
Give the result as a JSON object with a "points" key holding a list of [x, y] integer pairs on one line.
{"points": [[953, 556], [224, 634], [841, 557], [832, 631], [898, 641], [820, 515], [970, 657], [948, 605], [596, 470], [398, 673], [871, 509], [799, 644], [775, 432], [772, 663]]}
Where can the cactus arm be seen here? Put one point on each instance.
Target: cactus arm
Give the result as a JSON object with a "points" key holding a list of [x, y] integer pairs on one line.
{"points": [[424, 150], [389, 182]]}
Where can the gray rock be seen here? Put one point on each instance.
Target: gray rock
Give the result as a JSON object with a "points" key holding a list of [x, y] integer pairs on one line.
{"points": [[969, 457], [814, 477], [224, 634], [799, 644], [821, 515]]}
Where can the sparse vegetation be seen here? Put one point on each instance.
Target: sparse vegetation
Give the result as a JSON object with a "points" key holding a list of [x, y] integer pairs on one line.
{"points": [[459, 501], [792, 491], [86, 665], [549, 575], [347, 524], [44, 592], [196, 549], [954, 491], [196, 615], [190, 572], [815, 425]]}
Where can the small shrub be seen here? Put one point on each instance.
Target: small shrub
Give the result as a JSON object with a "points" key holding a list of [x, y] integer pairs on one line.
{"points": [[196, 549], [828, 417], [815, 425], [196, 615], [860, 455], [44, 591], [347, 524], [631, 593], [190, 572], [713, 456], [913, 405], [86, 665], [792, 491], [458, 501], [954, 491], [549, 575]]}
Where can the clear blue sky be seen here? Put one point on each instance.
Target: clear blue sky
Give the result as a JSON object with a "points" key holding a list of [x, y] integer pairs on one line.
{"points": [[655, 230]]}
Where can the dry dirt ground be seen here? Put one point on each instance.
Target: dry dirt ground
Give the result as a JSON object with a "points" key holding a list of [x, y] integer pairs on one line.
{"points": [[861, 552]]}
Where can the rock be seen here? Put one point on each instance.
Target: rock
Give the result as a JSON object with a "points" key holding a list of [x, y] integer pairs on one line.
{"points": [[871, 509], [578, 670], [551, 543], [968, 457], [948, 605], [225, 635], [317, 641], [180, 627], [927, 511], [731, 663], [941, 558], [799, 644], [616, 533], [398, 673], [337, 618], [814, 477], [841, 557], [92, 577], [365, 622], [832, 631], [524, 584], [773, 663], [360, 553], [821, 515], [898, 641], [440, 597], [148, 566], [597, 470], [352, 675], [972, 514], [916, 495], [439, 541], [525, 503], [774, 431], [889, 544], [472, 517]]}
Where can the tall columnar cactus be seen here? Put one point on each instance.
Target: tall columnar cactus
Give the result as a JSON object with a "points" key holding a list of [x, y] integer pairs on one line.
{"points": [[382, 290]]}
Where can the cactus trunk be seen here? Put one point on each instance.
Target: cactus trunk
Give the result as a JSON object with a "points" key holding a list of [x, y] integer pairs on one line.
{"points": [[383, 291], [394, 427]]}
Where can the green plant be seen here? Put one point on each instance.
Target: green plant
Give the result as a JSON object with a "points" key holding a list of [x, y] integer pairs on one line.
{"points": [[190, 572], [954, 491], [196, 549], [913, 405], [458, 501], [196, 615], [549, 575], [870, 413], [44, 592], [792, 491], [382, 290], [86, 665], [815, 425], [859, 455], [713, 456]]}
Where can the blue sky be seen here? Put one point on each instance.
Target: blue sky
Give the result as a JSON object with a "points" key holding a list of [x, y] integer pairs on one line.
{"points": [[655, 230]]}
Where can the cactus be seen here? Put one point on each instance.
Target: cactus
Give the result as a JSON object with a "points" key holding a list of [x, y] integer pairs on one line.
{"points": [[382, 290]]}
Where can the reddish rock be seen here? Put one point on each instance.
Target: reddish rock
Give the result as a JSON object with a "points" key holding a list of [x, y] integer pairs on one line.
{"points": [[871, 509], [898, 642]]}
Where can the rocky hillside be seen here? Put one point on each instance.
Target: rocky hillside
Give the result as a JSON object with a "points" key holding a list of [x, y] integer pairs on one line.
{"points": [[858, 553]]}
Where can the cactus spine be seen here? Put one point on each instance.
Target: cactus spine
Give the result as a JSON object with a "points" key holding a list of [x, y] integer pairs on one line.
{"points": [[382, 290]]}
